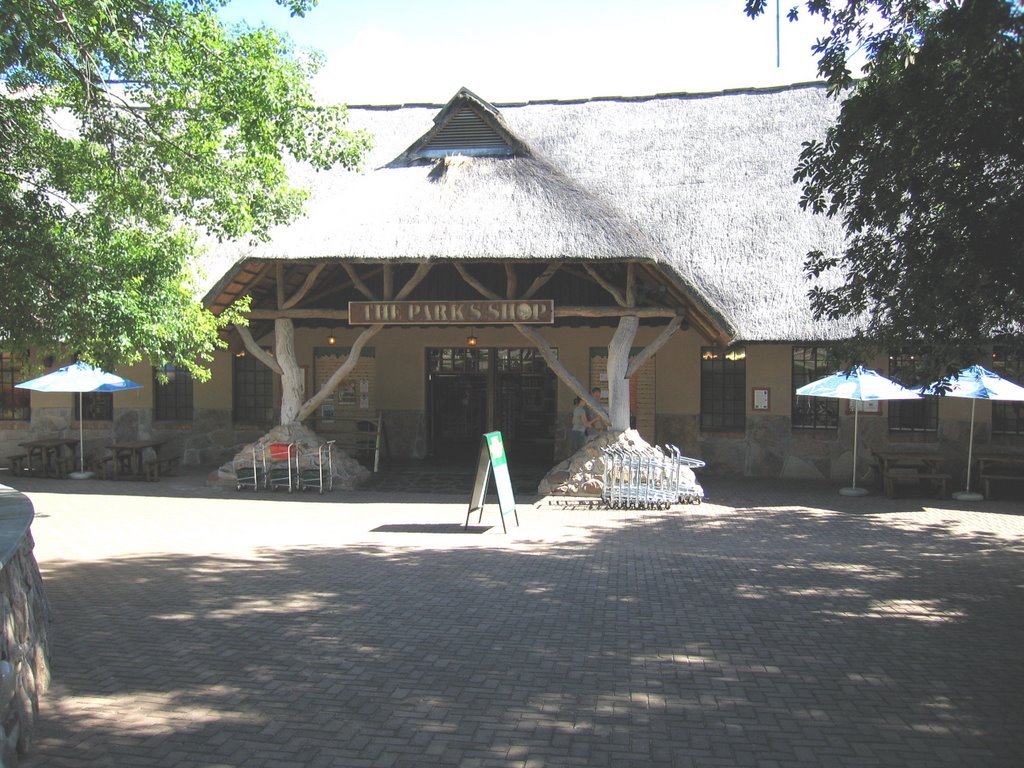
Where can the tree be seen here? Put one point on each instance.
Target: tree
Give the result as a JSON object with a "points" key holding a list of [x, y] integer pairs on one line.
{"points": [[923, 167], [132, 130]]}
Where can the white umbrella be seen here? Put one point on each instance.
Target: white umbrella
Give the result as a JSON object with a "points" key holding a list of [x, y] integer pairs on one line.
{"points": [[976, 383], [78, 377], [861, 384]]}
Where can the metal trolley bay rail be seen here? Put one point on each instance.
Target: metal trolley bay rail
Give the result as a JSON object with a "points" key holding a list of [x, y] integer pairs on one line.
{"points": [[652, 478]]}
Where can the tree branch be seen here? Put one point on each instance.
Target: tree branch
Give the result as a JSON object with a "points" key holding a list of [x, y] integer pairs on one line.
{"points": [[649, 351], [257, 351], [556, 365], [310, 406]]}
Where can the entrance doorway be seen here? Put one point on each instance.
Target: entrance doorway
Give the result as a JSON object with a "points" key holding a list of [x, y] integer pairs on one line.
{"points": [[471, 391]]}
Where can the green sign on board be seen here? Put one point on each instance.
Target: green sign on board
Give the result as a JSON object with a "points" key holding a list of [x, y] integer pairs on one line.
{"points": [[493, 458]]}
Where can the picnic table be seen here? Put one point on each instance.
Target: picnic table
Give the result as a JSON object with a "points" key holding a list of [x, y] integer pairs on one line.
{"points": [[1000, 466], [128, 458], [55, 455], [911, 466]]}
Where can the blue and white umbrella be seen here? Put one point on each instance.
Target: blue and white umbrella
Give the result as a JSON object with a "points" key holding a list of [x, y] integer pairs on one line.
{"points": [[78, 377], [863, 385], [976, 383]]}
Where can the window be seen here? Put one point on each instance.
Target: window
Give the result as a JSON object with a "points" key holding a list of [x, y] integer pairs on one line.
{"points": [[458, 360], [910, 415], [14, 403], [252, 391], [811, 364], [1008, 417], [95, 406], [723, 386], [173, 398]]}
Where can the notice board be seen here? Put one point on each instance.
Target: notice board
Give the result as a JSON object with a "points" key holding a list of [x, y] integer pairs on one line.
{"points": [[493, 461]]}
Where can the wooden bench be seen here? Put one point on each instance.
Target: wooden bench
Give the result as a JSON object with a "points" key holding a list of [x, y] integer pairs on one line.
{"points": [[910, 475], [21, 464], [988, 477], [18, 464], [103, 466], [155, 468]]}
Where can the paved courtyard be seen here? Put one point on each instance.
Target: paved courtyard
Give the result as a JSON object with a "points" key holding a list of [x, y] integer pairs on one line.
{"points": [[776, 625]]}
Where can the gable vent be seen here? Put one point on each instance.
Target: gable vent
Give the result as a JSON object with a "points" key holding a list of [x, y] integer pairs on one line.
{"points": [[465, 133]]}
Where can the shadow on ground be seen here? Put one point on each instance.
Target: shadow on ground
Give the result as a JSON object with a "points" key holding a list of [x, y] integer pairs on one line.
{"points": [[757, 635]]}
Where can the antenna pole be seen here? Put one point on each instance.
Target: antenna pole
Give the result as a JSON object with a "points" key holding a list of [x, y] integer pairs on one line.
{"points": [[778, 47]]}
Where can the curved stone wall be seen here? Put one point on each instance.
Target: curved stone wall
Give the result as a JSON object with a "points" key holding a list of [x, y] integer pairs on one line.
{"points": [[25, 619]]}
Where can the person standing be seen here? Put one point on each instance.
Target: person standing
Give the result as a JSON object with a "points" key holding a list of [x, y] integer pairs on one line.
{"points": [[580, 422]]}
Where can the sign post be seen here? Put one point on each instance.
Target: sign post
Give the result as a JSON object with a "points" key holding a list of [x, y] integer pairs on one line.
{"points": [[492, 458]]}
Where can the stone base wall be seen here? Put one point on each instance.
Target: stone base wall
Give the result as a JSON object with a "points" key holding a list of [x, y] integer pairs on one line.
{"points": [[768, 447], [25, 619]]}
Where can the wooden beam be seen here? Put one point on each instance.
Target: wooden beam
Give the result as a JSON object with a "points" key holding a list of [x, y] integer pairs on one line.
{"points": [[322, 292], [511, 283], [422, 269], [615, 312], [358, 283], [541, 280], [299, 314], [475, 284], [310, 280], [280, 285], [389, 282], [612, 290]]}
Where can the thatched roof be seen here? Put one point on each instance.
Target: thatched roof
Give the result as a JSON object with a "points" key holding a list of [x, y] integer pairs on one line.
{"points": [[701, 184]]}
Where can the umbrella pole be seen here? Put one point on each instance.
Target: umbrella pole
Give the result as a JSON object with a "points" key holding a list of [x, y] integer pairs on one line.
{"points": [[853, 490], [81, 436], [856, 413], [81, 474], [967, 494]]}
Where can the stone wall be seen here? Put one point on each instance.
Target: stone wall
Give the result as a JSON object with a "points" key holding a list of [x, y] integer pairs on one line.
{"points": [[25, 618]]}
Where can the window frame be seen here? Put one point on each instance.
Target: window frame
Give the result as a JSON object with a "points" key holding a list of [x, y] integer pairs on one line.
{"points": [[910, 417], [173, 400], [723, 401], [98, 406], [262, 386], [824, 411], [15, 404]]}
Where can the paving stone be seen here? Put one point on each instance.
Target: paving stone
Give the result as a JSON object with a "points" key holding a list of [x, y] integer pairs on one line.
{"points": [[781, 625]]}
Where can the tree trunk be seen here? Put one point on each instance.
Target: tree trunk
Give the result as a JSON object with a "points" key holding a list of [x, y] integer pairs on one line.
{"points": [[292, 383], [618, 364]]}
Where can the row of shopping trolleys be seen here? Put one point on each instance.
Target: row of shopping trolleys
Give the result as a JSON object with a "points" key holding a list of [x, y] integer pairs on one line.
{"points": [[654, 477], [284, 465]]}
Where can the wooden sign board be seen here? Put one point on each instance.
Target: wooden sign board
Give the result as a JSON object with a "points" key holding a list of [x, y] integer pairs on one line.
{"points": [[492, 459], [483, 312]]}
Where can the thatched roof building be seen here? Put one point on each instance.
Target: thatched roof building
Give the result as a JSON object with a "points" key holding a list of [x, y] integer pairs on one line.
{"points": [[700, 185]]}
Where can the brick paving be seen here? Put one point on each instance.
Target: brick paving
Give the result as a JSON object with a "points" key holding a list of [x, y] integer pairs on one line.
{"points": [[777, 625]]}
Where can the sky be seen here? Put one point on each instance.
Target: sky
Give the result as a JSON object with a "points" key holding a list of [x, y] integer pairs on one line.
{"points": [[423, 51]]}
